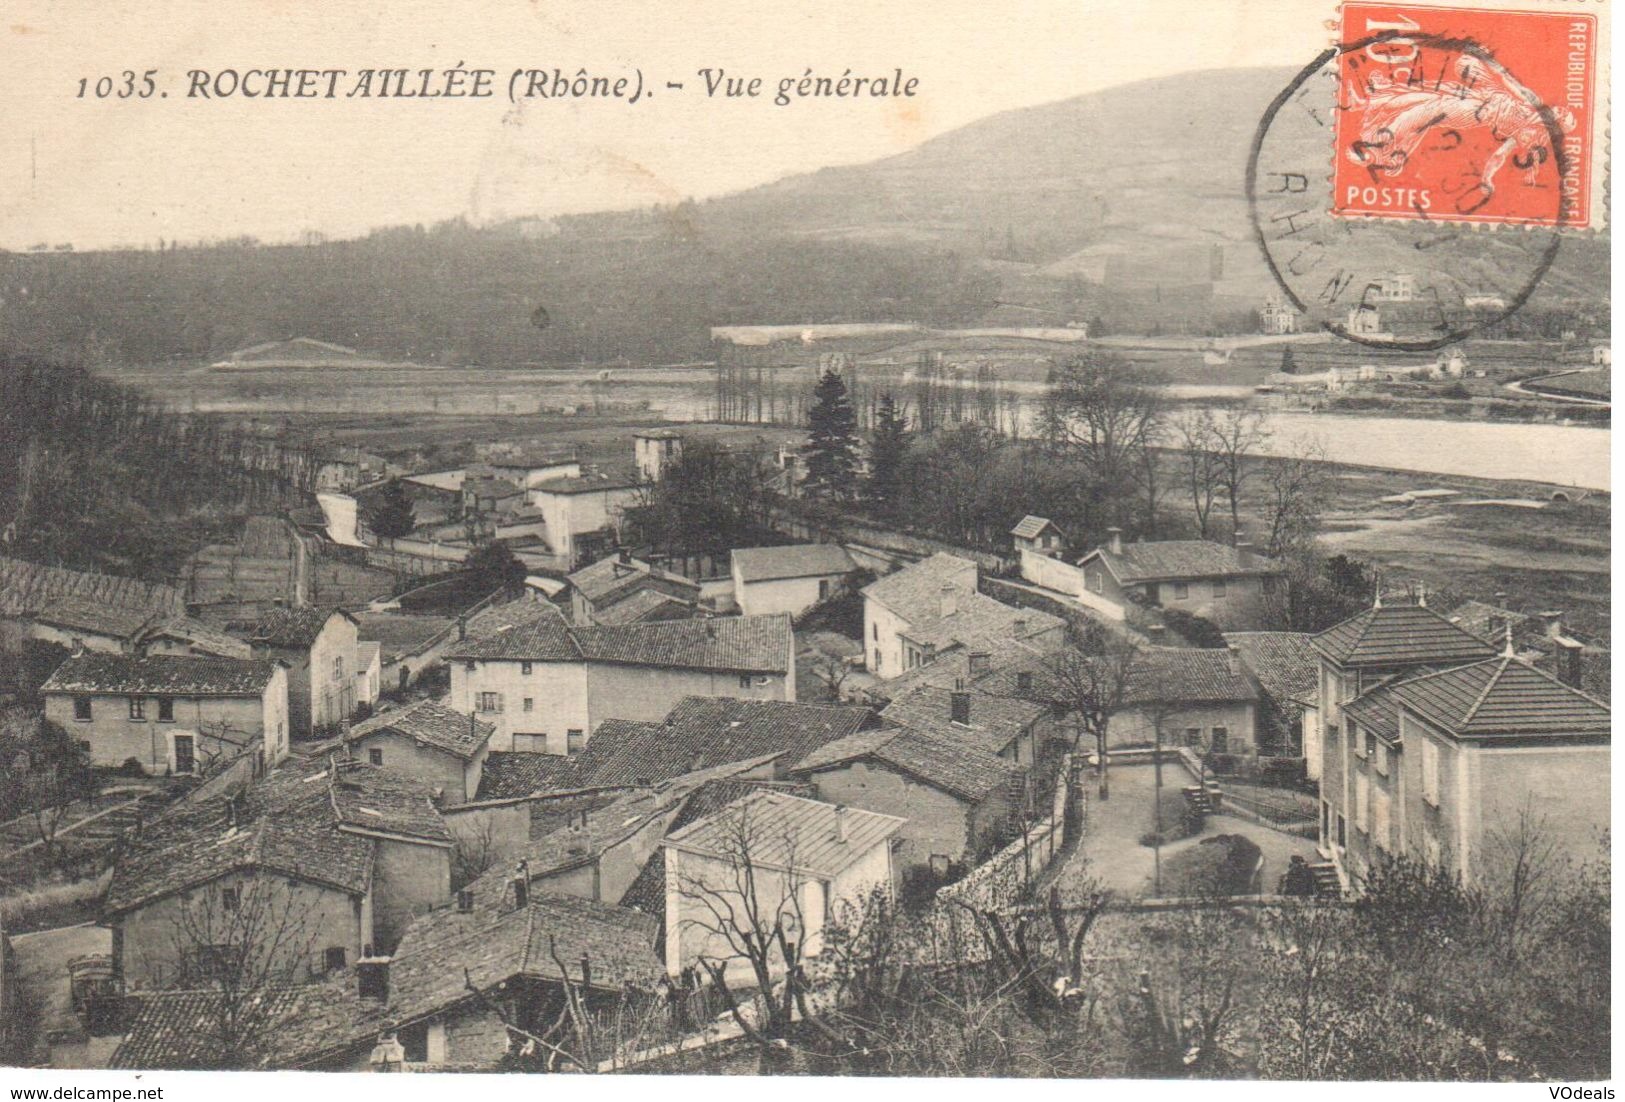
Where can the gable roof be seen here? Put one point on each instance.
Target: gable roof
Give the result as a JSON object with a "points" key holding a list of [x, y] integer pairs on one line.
{"points": [[432, 724], [916, 590], [995, 721], [978, 620], [1501, 698], [198, 635], [703, 732], [511, 774], [1031, 527], [738, 644], [804, 560], [295, 628], [1398, 635], [642, 607], [610, 575], [161, 675], [788, 832], [1283, 661], [1172, 560], [589, 482], [89, 615], [955, 766], [401, 633], [183, 1030], [298, 822]]}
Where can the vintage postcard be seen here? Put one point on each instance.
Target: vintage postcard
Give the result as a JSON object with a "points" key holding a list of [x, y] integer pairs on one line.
{"points": [[936, 540]]}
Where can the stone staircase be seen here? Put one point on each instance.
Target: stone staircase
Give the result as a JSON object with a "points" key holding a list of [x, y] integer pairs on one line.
{"points": [[1327, 883]]}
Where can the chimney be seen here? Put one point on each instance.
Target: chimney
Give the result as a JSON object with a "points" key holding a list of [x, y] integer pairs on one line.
{"points": [[462, 627], [1235, 657], [840, 822], [1497, 623], [1570, 670], [948, 601], [624, 557], [959, 707], [521, 885], [1552, 622], [1114, 540], [978, 664], [372, 978], [465, 901]]}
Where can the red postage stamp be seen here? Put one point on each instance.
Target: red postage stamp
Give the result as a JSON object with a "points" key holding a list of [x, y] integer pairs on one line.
{"points": [[1470, 114]]}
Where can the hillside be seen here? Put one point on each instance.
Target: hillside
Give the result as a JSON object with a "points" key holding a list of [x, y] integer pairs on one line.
{"points": [[1125, 205]]}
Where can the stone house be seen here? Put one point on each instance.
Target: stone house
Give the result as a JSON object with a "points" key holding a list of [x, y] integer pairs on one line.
{"points": [[428, 741], [1287, 670], [1232, 586], [958, 801], [620, 589], [582, 514], [788, 579], [1008, 727], [808, 860], [408, 643], [80, 623], [337, 859], [915, 615], [174, 714], [546, 685], [318, 646]]}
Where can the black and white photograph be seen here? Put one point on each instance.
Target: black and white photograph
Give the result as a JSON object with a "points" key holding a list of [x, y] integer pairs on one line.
{"points": [[889, 540]]}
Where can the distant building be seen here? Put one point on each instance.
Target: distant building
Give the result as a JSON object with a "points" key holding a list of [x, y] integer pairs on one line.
{"points": [[1363, 321], [582, 516], [1399, 287], [77, 622], [619, 589], [789, 579], [655, 450], [1038, 535], [172, 714], [1278, 317]]}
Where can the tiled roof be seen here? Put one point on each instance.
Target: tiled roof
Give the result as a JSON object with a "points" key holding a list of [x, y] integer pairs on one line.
{"points": [[446, 949], [541, 636], [1031, 527], [1595, 670], [788, 832], [1376, 711], [608, 575], [590, 482], [702, 732], [89, 615], [288, 627], [510, 774], [644, 606], [161, 675], [498, 488], [1398, 635], [954, 666], [742, 644], [25, 586], [1486, 621], [400, 633], [980, 621], [284, 1026], [995, 721], [1502, 697], [805, 560], [1173, 559], [1283, 661], [298, 822], [1155, 675], [200, 636], [954, 765], [916, 590], [430, 723], [747, 644]]}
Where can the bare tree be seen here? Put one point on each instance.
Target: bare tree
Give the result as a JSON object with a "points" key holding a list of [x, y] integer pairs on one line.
{"points": [[832, 670], [1236, 435], [1104, 411], [246, 943], [1090, 677], [477, 850], [1194, 432], [1296, 487]]}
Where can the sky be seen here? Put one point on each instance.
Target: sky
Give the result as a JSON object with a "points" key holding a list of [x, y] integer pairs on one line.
{"points": [[113, 172]]}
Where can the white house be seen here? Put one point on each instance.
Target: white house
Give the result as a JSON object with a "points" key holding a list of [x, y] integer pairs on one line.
{"points": [[807, 861], [546, 685], [788, 579], [582, 514]]}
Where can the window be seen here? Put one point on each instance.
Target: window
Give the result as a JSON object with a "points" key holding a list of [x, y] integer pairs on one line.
{"points": [[166, 709], [1219, 589], [1193, 736], [1356, 743], [1181, 591], [530, 704], [1325, 819], [744, 681], [877, 659], [1221, 740], [333, 958], [490, 702], [185, 760], [217, 961], [81, 707], [84, 744], [575, 740], [1430, 772], [469, 665], [338, 667], [375, 756], [1362, 793], [823, 589], [1380, 758], [231, 899], [1024, 681], [1096, 582], [524, 668], [874, 631], [533, 741], [138, 707]]}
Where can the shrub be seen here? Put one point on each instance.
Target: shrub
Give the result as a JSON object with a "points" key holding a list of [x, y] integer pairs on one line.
{"points": [[1195, 630], [1177, 817], [131, 768]]}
